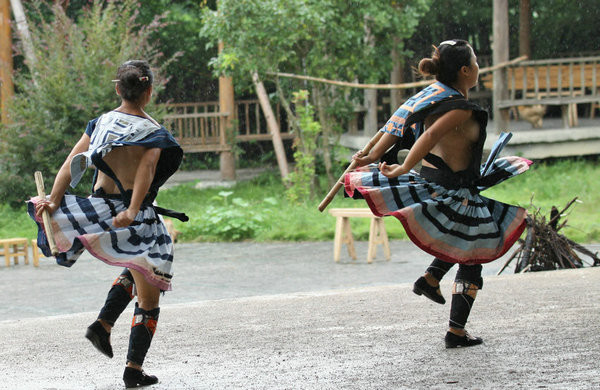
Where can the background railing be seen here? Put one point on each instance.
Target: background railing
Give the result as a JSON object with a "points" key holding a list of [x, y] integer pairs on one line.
{"points": [[554, 81], [198, 127]]}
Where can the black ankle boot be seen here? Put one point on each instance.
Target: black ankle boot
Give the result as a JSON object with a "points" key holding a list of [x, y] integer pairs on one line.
{"points": [[454, 341], [100, 338], [137, 378], [421, 287]]}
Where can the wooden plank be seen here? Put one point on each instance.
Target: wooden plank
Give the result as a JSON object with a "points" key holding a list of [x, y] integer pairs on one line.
{"points": [[352, 212], [197, 115]]}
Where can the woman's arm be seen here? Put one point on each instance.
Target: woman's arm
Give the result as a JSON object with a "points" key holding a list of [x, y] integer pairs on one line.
{"points": [[384, 143], [143, 179], [63, 178], [444, 124]]}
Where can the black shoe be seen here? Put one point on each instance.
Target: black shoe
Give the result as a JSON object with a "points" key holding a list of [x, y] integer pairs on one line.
{"points": [[421, 287], [100, 338], [454, 341], [137, 378]]}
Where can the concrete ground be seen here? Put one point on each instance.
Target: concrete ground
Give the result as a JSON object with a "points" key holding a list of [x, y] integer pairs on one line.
{"points": [[285, 316]]}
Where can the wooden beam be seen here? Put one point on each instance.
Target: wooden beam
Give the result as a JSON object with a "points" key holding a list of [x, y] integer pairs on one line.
{"points": [[271, 124], [6, 62]]}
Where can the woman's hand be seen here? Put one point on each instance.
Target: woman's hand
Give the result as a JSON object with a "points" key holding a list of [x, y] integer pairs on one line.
{"points": [[393, 170], [124, 218], [44, 204], [361, 160]]}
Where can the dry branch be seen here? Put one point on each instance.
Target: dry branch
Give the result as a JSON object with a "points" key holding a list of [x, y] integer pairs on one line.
{"points": [[544, 248]]}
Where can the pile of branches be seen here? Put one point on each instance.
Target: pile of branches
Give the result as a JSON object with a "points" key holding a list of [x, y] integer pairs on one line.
{"points": [[544, 248]]}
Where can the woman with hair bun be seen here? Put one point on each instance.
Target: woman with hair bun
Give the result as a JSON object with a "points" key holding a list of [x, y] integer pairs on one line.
{"points": [[441, 207], [119, 223]]}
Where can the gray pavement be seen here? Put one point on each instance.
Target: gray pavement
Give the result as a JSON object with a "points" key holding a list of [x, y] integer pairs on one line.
{"points": [[209, 271], [285, 316]]}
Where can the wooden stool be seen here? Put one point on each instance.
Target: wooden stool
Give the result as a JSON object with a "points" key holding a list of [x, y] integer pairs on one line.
{"points": [[343, 233], [14, 247], [37, 252]]}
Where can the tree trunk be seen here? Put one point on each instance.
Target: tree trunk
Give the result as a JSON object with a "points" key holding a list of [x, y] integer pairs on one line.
{"points": [[525, 28], [500, 54], [370, 94], [396, 77], [271, 124], [322, 104], [292, 118], [23, 31]]}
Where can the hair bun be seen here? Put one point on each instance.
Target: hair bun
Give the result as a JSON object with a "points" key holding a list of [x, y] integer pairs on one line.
{"points": [[429, 66], [133, 78]]}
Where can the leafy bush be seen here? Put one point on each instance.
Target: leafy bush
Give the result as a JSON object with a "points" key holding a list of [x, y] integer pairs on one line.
{"points": [[233, 220], [68, 84], [301, 179]]}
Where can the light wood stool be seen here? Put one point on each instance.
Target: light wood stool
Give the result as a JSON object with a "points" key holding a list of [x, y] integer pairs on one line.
{"points": [[13, 248], [343, 233], [37, 253]]}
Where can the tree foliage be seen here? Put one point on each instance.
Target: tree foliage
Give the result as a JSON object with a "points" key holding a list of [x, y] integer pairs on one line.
{"points": [[552, 27], [324, 38], [68, 85], [335, 39]]}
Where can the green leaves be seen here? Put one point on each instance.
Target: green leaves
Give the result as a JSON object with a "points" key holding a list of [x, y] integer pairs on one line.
{"points": [[68, 85], [324, 38]]}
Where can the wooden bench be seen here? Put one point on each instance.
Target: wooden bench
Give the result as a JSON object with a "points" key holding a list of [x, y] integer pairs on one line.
{"points": [[343, 233], [14, 248], [37, 253]]}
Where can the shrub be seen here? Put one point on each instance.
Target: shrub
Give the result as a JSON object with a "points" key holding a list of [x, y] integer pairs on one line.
{"points": [[227, 220], [68, 84]]}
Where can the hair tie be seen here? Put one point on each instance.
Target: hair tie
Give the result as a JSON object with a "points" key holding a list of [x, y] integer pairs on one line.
{"points": [[143, 78]]}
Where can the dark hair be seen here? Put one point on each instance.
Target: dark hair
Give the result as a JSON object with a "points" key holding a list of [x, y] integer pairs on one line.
{"points": [[134, 78], [446, 60]]}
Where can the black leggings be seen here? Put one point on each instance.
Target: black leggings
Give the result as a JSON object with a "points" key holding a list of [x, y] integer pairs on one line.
{"points": [[465, 273]]}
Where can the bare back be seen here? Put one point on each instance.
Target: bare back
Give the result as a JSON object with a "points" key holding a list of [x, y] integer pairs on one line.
{"points": [[124, 161], [456, 147]]}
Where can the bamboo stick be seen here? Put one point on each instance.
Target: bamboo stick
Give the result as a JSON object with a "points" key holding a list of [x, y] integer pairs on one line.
{"points": [[336, 187], [39, 183]]}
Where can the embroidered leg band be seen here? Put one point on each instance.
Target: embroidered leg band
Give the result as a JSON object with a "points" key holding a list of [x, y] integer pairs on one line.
{"points": [[119, 296], [143, 327], [439, 268], [462, 302]]}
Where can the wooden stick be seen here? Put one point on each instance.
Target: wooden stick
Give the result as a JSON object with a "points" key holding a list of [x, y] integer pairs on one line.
{"points": [[39, 183], [340, 182]]}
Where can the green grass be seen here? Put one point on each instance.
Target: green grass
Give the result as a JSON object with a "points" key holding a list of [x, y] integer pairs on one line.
{"points": [[258, 210]]}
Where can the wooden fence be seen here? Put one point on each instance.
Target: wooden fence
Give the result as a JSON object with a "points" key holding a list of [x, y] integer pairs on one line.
{"points": [[199, 127], [565, 82]]}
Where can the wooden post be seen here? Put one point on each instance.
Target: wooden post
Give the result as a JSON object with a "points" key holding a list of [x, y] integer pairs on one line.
{"points": [[226, 105], [6, 63], [500, 54], [271, 124]]}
